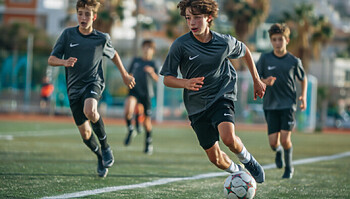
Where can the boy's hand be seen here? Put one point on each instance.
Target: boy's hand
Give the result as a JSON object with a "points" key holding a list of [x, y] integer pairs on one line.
{"points": [[129, 81], [269, 81], [303, 103], [70, 62], [259, 89], [194, 84]]}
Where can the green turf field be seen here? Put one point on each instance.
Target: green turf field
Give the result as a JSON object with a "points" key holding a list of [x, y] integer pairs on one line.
{"points": [[49, 159]]}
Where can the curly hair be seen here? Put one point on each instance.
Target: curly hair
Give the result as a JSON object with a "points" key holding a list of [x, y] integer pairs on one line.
{"points": [[208, 7], [278, 28], [91, 3]]}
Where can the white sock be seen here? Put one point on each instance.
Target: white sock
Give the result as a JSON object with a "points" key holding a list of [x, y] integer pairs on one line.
{"points": [[244, 155], [279, 148], [233, 168]]}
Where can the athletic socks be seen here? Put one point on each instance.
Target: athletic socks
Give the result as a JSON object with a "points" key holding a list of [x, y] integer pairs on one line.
{"points": [[244, 155], [288, 153], [128, 125], [277, 149], [93, 146], [99, 129], [233, 168]]}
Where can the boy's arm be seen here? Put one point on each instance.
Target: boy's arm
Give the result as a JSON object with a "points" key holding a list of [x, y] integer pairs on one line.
{"points": [[151, 72], [54, 61], [127, 79], [193, 84], [259, 86], [302, 97]]}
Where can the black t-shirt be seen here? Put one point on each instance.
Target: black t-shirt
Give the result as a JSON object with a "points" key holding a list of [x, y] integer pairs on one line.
{"points": [[209, 60], [144, 82], [89, 50], [282, 94]]}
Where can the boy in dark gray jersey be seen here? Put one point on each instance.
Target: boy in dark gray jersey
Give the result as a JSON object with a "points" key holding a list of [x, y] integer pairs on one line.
{"points": [[145, 72], [80, 50], [279, 70], [209, 82]]}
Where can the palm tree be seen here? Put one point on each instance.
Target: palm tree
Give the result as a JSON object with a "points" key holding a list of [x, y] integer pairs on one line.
{"points": [[310, 31], [246, 15], [111, 11]]}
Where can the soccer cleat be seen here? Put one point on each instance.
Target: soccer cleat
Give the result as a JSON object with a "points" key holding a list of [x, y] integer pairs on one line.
{"points": [[129, 137], [101, 170], [279, 160], [255, 169], [288, 173], [148, 146], [107, 157]]}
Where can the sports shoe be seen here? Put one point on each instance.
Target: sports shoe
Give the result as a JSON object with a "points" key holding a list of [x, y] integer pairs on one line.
{"points": [[279, 160], [255, 169], [129, 137], [288, 173], [101, 170], [148, 146], [107, 157]]}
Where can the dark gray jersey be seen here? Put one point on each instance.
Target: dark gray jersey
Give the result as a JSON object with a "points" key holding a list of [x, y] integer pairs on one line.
{"points": [[209, 60], [144, 82], [89, 50], [282, 94]]}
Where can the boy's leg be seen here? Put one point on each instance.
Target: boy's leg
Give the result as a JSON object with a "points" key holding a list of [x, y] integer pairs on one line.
{"points": [[221, 159], [276, 147], [234, 143], [288, 153], [90, 141], [129, 108], [90, 111], [148, 138]]}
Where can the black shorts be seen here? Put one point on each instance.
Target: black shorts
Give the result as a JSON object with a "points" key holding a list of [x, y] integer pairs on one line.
{"points": [[205, 124], [145, 101], [278, 120], [77, 105]]}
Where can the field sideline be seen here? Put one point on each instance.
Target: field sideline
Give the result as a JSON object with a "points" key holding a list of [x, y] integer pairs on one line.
{"points": [[45, 157]]}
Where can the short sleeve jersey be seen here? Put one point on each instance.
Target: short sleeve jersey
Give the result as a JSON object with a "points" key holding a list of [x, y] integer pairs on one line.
{"points": [[282, 94], [89, 51], [144, 82], [209, 60]]}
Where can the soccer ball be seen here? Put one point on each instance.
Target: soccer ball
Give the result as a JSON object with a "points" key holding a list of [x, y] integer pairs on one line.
{"points": [[238, 185]]}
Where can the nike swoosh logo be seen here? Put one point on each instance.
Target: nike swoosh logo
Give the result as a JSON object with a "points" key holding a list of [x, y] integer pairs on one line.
{"points": [[93, 92], [73, 45], [271, 67], [192, 58], [226, 114]]}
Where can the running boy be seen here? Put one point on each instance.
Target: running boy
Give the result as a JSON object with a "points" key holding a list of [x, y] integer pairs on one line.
{"points": [[80, 50], [209, 83], [145, 72], [279, 70]]}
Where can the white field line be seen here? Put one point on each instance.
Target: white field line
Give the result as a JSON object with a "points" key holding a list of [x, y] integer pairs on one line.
{"points": [[196, 177], [12, 135]]}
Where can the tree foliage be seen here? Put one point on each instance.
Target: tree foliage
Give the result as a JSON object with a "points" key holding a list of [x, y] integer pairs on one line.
{"points": [[246, 15], [310, 33]]}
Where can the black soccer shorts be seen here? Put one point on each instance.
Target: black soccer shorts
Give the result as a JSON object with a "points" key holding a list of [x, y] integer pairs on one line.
{"points": [[77, 105], [205, 124], [278, 120], [145, 101]]}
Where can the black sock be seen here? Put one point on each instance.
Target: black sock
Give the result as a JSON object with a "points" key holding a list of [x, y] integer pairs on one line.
{"points": [[93, 146], [128, 124], [99, 129], [137, 117], [149, 136], [288, 154]]}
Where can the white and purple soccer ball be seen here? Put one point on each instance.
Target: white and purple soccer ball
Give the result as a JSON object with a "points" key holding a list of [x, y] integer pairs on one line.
{"points": [[238, 185]]}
